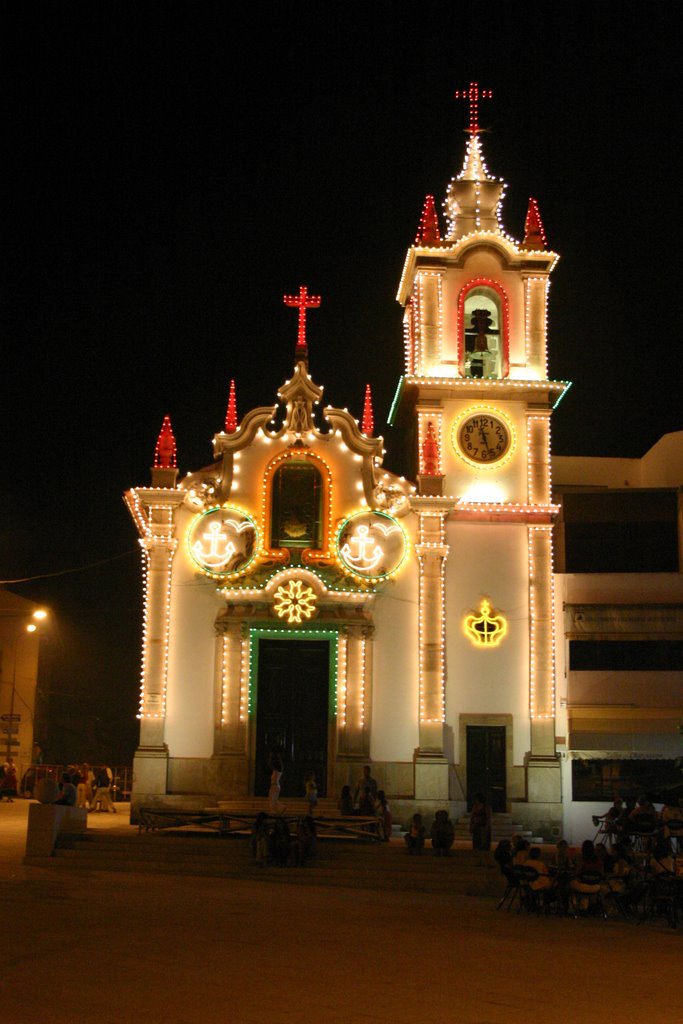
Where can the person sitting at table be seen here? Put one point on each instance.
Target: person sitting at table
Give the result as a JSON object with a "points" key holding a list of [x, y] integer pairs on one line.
{"points": [[561, 859], [621, 868], [643, 813], [520, 852], [661, 859], [535, 861], [588, 867], [605, 857], [613, 814], [672, 820]]}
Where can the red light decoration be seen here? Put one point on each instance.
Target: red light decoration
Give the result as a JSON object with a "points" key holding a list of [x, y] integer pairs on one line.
{"points": [[534, 235], [302, 301], [428, 232], [473, 95], [430, 452], [368, 423], [231, 414], [505, 325], [165, 455]]}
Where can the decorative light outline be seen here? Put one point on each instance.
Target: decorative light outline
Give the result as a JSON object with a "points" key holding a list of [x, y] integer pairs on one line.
{"points": [[362, 575], [485, 639], [483, 282], [472, 410], [204, 568], [294, 600], [257, 633]]}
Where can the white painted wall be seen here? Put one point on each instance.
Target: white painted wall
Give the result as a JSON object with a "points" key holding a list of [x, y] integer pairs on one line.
{"points": [[190, 694], [395, 689], [488, 561]]}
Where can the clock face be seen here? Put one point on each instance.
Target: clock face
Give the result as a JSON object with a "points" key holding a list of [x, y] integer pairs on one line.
{"points": [[483, 438]]}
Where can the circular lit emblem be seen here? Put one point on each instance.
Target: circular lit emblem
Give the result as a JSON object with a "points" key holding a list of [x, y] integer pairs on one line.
{"points": [[371, 544], [483, 437], [294, 601], [222, 541]]}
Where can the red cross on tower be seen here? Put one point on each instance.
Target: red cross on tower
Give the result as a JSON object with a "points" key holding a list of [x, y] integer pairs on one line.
{"points": [[303, 301], [473, 95]]}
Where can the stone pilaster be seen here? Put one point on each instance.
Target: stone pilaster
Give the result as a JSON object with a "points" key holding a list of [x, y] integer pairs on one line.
{"points": [[536, 298], [231, 688], [430, 333], [541, 640], [538, 456], [432, 553], [354, 693]]}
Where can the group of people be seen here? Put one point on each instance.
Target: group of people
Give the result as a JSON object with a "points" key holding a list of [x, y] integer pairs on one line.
{"points": [[369, 802], [86, 787], [587, 876], [78, 786], [89, 787], [626, 820], [273, 843]]}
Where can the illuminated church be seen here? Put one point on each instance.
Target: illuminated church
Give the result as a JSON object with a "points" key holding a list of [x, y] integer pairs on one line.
{"points": [[301, 600]]}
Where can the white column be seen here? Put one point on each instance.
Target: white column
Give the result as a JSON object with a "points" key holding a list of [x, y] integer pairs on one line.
{"points": [[158, 558]]}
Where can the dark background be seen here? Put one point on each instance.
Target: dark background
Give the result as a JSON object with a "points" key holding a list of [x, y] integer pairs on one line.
{"points": [[175, 168]]}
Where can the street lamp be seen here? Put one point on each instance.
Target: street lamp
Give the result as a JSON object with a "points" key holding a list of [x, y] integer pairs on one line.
{"points": [[9, 720]]}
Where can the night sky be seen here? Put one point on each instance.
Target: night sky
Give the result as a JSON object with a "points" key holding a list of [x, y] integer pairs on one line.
{"points": [[174, 170]]}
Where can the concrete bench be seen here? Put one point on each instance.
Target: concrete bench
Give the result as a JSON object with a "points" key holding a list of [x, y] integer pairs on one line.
{"points": [[46, 822]]}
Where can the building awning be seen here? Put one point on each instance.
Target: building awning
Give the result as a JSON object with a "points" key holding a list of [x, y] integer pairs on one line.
{"points": [[646, 621], [622, 755]]}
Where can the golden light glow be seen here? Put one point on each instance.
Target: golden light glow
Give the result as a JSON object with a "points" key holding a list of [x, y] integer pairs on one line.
{"points": [[294, 601], [483, 437], [485, 630]]}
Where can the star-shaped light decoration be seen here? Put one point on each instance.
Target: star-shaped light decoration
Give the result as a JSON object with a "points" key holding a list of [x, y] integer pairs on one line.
{"points": [[294, 601]]}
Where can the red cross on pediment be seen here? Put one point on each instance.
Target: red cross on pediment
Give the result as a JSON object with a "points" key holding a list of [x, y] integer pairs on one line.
{"points": [[473, 95], [302, 301]]}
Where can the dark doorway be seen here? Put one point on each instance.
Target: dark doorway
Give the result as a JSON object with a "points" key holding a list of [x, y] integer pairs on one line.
{"points": [[486, 764], [292, 713]]}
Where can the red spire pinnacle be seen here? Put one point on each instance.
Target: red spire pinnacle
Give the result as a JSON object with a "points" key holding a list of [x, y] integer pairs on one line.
{"points": [[231, 414], [534, 235], [368, 422], [430, 452], [428, 231], [303, 301], [165, 451]]}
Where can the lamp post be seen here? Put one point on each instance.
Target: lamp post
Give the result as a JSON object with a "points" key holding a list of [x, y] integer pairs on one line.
{"points": [[34, 619]]}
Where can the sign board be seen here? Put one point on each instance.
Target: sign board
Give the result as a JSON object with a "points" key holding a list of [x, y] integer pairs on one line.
{"points": [[10, 718], [11, 729]]}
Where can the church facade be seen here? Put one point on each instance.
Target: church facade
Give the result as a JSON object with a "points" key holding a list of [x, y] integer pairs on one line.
{"points": [[302, 601]]}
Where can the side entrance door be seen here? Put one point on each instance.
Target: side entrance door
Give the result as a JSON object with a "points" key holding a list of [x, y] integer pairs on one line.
{"points": [[292, 715], [486, 765]]}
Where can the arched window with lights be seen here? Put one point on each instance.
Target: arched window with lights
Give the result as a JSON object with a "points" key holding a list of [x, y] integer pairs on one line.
{"points": [[296, 506], [483, 331]]}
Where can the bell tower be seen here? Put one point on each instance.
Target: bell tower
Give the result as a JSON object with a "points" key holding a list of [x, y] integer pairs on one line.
{"points": [[476, 383]]}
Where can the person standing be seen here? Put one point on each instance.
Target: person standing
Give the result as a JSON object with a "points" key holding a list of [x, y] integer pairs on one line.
{"points": [[311, 793], [383, 812], [275, 785], [366, 781], [9, 782], [480, 823]]}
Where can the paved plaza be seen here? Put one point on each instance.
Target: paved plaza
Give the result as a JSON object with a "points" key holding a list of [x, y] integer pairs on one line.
{"points": [[110, 948]]}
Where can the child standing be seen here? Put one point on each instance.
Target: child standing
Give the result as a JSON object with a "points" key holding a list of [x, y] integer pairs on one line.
{"points": [[311, 793]]}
